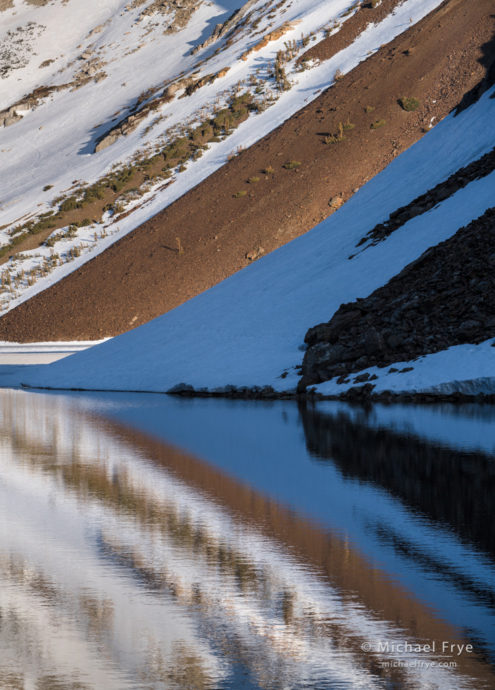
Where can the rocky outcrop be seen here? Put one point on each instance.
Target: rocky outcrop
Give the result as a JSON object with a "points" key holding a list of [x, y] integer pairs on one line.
{"points": [[186, 84], [474, 171], [222, 30], [444, 298]]}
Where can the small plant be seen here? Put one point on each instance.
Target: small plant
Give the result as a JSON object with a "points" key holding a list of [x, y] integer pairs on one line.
{"points": [[292, 165], [253, 180], [409, 104], [377, 124], [180, 248], [269, 170], [236, 152], [240, 194], [47, 187], [369, 109], [348, 125], [339, 136]]}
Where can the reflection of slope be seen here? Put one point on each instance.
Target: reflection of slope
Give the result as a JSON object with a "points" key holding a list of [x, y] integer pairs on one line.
{"points": [[171, 538], [468, 427], [46, 634], [251, 622], [45, 533], [275, 461], [453, 488]]}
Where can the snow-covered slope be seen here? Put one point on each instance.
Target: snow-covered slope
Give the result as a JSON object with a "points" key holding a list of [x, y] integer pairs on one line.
{"points": [[249, 330], [74, 72]]}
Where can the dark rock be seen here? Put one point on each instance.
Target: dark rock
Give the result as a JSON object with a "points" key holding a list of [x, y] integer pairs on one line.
{"points": [[362, 362], [373, 342], [394, 341], [181, 389], [468, 327], [362, 378]]}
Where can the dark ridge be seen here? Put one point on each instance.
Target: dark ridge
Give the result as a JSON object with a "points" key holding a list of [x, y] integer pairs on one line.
{"points": [[474, 171]]}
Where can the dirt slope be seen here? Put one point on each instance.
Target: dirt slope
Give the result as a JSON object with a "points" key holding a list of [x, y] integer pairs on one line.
{"points": [[437, 61]]}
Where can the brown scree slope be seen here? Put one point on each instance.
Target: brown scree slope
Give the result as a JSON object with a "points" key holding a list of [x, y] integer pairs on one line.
{"points": [[143, 275]]}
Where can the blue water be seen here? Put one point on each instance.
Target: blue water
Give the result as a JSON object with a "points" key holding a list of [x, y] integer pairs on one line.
{"points": [[244, 544]]}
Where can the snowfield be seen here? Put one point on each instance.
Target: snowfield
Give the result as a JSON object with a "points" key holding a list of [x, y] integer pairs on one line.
{"points": [[101, 64], [465, 369], [249, 329]]}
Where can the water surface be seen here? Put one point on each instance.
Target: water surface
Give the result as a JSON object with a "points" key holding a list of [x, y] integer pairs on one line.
{"points": [[149, 542]]}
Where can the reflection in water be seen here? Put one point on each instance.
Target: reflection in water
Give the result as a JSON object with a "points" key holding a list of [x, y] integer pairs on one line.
{"points": [[128, 563], [450, 486]]}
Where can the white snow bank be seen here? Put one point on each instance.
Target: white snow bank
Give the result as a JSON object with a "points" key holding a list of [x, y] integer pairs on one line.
{"points": [[39, 353], [249, 329], [466, 369]]}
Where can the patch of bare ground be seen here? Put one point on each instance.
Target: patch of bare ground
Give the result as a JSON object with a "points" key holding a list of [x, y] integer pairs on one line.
{"points": [[225, 218], [444, 298]]}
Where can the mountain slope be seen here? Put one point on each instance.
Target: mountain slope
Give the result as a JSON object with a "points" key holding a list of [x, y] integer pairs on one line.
{"points": [[146, 274], [249, 330]]}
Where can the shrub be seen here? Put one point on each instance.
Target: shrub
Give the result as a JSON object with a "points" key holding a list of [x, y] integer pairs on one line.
{"points": [[203, 132], [269, 170], [409, 104], [348, 125], [69, 204], [369, 109], [377, 124], [119, 179], [223, 121], [291, 165], [253, 180], [47, 187], [240, 194]]}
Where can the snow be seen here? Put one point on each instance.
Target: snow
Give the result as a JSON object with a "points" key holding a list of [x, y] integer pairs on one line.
{"points": [[39, 353], [465, 369], [52, 144], [249, 329]]}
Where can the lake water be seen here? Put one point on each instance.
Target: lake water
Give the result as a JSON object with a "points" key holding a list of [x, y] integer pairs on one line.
{"points": [[151, 542]]}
